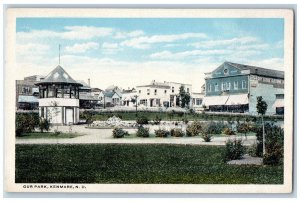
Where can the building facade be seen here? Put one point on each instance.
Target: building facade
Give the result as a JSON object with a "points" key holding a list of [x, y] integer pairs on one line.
{"points": [[27, 93], [59, 97], [161, 94], [235, 87]]}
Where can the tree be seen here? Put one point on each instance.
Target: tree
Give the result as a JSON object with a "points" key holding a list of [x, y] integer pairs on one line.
{"points": [[184, 97], [261, 108]]}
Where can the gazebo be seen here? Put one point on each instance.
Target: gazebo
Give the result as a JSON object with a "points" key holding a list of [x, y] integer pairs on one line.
{"points": [[59, 97]]}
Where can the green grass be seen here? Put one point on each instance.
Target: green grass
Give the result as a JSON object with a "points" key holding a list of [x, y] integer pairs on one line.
{"points": [[37, 135], [124, 163]]}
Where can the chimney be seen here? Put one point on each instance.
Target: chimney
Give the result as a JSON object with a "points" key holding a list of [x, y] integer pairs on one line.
{"points": [[89, 82]]}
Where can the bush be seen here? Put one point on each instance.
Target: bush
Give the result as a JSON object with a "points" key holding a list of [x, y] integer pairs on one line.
{"points": [[176, 132], [142, 132], [206, 137], [228, 131], [161, 133], [234, 150], [119, 133], [142, 120], [274, 145], [252, 150], [44, 124], [215, 127], [26, 122], [194, 129], [185, 121], [157, 120]]}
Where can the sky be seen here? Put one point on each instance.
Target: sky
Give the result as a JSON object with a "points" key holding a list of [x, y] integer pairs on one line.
{"points": [[134, 51]]}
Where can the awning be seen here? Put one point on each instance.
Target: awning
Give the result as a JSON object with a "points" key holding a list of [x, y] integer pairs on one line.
{"points": [[215, 100], [278, 103], [240, 99], [27, 98]]}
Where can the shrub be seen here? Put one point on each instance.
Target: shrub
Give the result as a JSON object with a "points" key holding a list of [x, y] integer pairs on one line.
{"points": [[157, 120], [142, 120], [161, 133], [228, 131], [26, 122], [252, 150], [243, 128], [206, 137], [274, 145], [119, 132], [44, 124], [176, 132], [234, 150], [194, 129], [185, 121], [142, 132], [215, 127]]}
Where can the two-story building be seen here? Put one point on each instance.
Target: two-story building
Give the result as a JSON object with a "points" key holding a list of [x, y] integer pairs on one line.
{"points": [[159, 94], [235, 87]]}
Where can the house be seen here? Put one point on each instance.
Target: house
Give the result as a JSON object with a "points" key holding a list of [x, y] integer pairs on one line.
{"points": [[159, 94], [87, 99], [235, 87], [112, 96], [59, 97], [27, 92], [129, 97]]}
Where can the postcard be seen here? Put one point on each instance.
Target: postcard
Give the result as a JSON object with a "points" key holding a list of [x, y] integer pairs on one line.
{"points": [[149, 100]]}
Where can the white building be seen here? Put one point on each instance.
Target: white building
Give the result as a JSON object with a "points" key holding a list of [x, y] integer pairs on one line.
{"points": [[110, 98], [59, 97], [159, 94], [129, 98], [197, 100]]}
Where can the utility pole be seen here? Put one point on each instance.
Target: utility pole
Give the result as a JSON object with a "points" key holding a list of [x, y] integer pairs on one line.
{"points": [[136, 96]]}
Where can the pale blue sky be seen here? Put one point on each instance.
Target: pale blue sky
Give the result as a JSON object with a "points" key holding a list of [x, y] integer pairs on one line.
{"points": [[110, 50]]}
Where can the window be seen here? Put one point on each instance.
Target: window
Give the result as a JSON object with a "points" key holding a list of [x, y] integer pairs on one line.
{"points": [[25, 90], [209, 88], [235, 85], [187, 90], [148, 91], [172, 89], [244, 84], [155, 91], [140, 91], [165, 91], [216, 87], [228, 86], [223, 86], [198, 101]]}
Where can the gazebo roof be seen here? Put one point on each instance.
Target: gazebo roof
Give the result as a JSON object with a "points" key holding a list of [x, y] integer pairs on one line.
{"points": [[58, 75]]}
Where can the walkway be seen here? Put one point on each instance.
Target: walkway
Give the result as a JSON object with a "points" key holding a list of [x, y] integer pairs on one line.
{"points": [[104, 136]]}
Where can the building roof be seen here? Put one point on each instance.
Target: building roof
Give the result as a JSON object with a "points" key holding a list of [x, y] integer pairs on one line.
{"points": [[258, 70], [59, 75], [109, 94], [156, 86], [84, 86]]}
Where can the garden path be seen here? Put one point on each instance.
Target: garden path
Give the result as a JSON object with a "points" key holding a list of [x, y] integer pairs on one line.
{"points": [[104, 136]]}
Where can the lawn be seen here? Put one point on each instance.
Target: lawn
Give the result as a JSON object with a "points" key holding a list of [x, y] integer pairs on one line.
{"points": [[123, 163], [36, 135]]}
